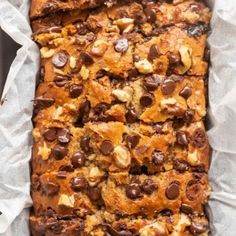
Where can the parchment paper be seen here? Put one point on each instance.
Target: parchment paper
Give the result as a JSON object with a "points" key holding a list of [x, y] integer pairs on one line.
{"points": [[16, 112]]}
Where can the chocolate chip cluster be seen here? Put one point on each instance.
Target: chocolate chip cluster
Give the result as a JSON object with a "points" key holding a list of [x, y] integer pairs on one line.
{"points": [[120, 146]]}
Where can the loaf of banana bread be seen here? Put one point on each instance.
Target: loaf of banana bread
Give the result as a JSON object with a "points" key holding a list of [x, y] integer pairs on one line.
{"points": [[120, 146]]}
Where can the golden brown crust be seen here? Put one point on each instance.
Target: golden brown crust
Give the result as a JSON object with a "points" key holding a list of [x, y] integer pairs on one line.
{"points": [[120, 146]]}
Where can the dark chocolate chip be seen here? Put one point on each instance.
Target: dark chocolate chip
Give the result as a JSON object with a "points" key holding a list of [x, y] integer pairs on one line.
{"points": [[131, 116], [168, 86], [82, 28], [78, 183], [78, 159], [186, 92], [207, 55], [185, 208], [84, 107], [150, 13], [149, 186], [86, 58], [85, 144], [181, 165], [151, 83], [60, 59], [60, 80], [122, 45], [199, 138], [139, 18], [146, 100], [41, 102], [193, 190], [94, 193], [63, 136], [66, 168], [133, 191], [172, 191], [49, 7], [106, 147], [61, 174], [75, 90], [132, 140], [59, 152], [158, 158], [198, 228], [158, 128], [197, 30], [51, 188], [166, 212], [174, 59], [125, 233], [189, 116], [153, 52], [182, 138], [133, 74], [50, 134]]}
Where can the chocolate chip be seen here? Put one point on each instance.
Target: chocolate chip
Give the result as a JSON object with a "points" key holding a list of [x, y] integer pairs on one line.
{"points": [[158, 158], [78, 159], [186, 92], [85, 144], [185, 208], [61, 174], [132, 140], [174, 59], [153, 52], [50, 134], [196, 30], [122, 45], [35, 183], [66, 168], [182, 138], [51, 188], [75, 90], [193, 190], [42, 73], [49, 7], [60, 80], [181, 165], [59, 152], [60, 59], [146, 100], [133, 191], [106, 147], [166, 212], [199, 138], [150, 13], [131, 116], [198, 228], [172, 191], [41, 102], [148, 186], [125, 233], [63, 136], [189, 116], [78, 183], [86, 58], [139, 18], [207, 55], [151, 83], [168, 86], [82, 28], [158, 128], [94, 193], [84, 107]]}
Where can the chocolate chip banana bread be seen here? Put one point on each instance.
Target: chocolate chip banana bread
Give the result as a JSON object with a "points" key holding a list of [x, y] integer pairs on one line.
{"points": [[120, 146]]}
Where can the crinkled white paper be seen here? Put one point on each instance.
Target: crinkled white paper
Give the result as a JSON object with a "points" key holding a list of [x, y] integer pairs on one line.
{"points": [[16, 112]]}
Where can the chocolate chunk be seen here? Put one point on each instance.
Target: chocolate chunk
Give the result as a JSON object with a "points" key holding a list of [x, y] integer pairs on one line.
{"points": [[41, 102], [146, 100], [75, 90], [133, 191], [106, 147], [85, 144], [185, 208], [172, 191], [158, 158], [60, 80], [148, 186], [81, 28], [199, 138], [50, 134], [78, 159], [63, 136], [198, 228], [86, 58], [197, 30], [150, 14], [132, 140], [78, 183], [193, 190], [60, 59], [189, 116], [131, 116], [174, 59], [66, 168], [181, 165], [186, 92], [51, 188], [94, 193], [122, 45], [59, 152], [151, 83], [168, 86], [182, 138], [153, 52]]}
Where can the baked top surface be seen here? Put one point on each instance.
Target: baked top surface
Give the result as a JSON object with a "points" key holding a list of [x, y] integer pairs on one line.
{"points": [[120, 146]]}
